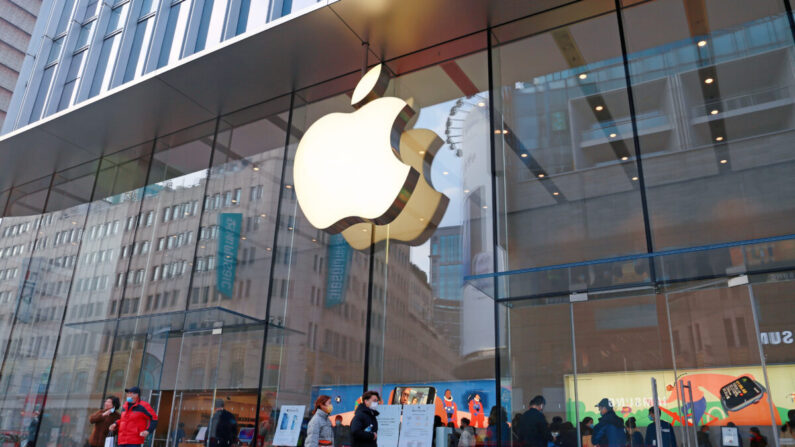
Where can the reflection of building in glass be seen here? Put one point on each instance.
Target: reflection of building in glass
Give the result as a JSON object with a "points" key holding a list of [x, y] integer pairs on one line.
{"points": [[447, 281]]}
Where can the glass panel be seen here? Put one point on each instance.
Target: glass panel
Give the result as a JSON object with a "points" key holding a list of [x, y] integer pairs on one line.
{"points": [[148, 6], [70, 88], [253, 13], [140, 49], [91, 9], [571, 190], [118, 16], [211, 28], [66, 14], [55, 50], [86, 32], [106, 64], [44, 293], [175, 33], [716, 112], [41, 96]]}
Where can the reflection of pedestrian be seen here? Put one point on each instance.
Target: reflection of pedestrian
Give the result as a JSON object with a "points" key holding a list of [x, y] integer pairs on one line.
{"points": [[319, 431], [477, 412], [666, 430], [788, 429], [516, 423], [757, 440], [498, 420], [41, 423], [467, 434], [586, 430], [634, 438], [223, 426], [102, 420], [534, 427], [609, 431], [342, 433], [703, 437]]}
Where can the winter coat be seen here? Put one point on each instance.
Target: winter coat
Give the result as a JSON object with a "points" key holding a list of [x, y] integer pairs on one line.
{"points": [[223, 429], [534, 429], [363, 427], [609, 431], [467, 437], [319, 429], [636, 439], [135, 418], [668, 436], [101, 424]]}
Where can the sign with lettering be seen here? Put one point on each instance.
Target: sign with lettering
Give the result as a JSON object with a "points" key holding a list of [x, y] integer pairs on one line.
{"points": [[229, 225], [338, 259]]}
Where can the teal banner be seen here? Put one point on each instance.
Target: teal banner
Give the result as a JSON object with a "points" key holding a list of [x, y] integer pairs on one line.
{"points": [[229, 225], [339, 259]]}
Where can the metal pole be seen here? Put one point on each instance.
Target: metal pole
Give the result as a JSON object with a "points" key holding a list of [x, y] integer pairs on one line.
{"points": [[755, 315], [657, 428], [574, 378], [693, 409]]}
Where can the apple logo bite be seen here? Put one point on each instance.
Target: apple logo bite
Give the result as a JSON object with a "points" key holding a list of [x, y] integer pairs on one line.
{"points": [[364, 175]]}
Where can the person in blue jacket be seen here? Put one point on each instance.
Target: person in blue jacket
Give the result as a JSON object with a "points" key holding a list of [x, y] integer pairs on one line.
{"points": [[666, 429], [609, 431]]}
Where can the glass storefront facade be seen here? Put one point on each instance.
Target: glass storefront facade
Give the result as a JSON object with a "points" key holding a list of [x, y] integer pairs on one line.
{"points": [[622, 201]]}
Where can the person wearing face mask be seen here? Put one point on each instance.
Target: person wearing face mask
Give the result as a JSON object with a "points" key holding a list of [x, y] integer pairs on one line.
{"points": [[103, 419], [364, 428], [319, 432], [137, 421]]}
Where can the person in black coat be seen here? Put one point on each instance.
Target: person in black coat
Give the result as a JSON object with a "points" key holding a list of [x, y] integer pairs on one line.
{"points": [[534, 429], [364, 427]]}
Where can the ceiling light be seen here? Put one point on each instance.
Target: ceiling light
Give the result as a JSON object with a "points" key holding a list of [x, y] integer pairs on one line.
{"points": [[422, 219], [583, 75], [524, 155], [599, 108], [243, 238], [484, 207], [702, 43], [290, 228], [498, 131], [709, 81], [256, 168], [724, 161], [466, 191], [540, 175], [714, 112], [314, 240], [288, 186], [263, 215], [504, 131], [719, 139], [364, 230], [422, 152], [268, 249], [555, 193], [445, 173], [624, 158], [612, 135], [481, 104], [634, 179]]}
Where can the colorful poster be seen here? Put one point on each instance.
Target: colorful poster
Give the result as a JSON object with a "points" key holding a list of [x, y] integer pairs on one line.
{"points": [[228, 241], [417, 427], [631, 395], [388, 425], [288, 426]]}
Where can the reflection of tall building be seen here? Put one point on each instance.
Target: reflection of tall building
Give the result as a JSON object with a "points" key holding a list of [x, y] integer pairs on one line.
{"points": [[447, 281]]}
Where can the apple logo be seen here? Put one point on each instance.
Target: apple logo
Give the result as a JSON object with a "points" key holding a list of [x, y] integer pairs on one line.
{"points": [[364, 175]]}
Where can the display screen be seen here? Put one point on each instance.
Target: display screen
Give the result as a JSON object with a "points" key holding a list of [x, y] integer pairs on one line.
{"points": [[419, 395], [246, 435], [740, 393]]}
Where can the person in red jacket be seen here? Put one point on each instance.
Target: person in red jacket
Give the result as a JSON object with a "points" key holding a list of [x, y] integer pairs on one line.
{"points": [[476, 411], [138, 420]]}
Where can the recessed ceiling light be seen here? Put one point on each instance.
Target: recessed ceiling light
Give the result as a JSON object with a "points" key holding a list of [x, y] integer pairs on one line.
{"points": [[498, 131], [364, 230], [481, 104], [288, 186], [263, 215], [524, 155], [445, 173], [466, 191], [290, 228], [504, 131], [314, 240], [634, 179], [724, 161], [612, 135], [268, 249], [484, 207], [555, 193], [422, 152], [624, 158], [541, 176], [422, 219], [702, 43], [599, 108], [709, 81], [583, 75], [243, 238], [719, 139], [256, 168], [714, 112]]}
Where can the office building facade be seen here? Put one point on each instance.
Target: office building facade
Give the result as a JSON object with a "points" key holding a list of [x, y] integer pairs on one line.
{"points": [[622, 199]]}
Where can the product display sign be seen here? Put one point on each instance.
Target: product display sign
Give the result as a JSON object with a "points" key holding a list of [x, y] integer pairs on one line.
{"points": [[388, 425], [730, 436], [417, 427], [288, 426]]}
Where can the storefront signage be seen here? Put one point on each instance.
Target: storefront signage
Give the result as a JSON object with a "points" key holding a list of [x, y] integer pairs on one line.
{"points": [[229, 237], [364, 175], [417, 427], [776, 338], [338, 259]]}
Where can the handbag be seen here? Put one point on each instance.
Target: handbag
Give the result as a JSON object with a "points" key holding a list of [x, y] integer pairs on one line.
{"points": [[110, 441]]}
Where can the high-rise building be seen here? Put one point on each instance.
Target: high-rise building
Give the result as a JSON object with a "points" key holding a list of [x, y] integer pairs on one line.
{"points": [[619, 214], [17, 21]]}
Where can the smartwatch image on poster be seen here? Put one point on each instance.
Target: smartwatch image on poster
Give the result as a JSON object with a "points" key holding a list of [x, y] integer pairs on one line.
{"points": [[740, 393]]}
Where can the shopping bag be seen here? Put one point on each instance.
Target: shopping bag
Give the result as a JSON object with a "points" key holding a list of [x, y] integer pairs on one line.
{"points": [[110, 441]]}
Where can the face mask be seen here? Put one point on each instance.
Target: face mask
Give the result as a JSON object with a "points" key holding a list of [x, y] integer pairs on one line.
{"points": [[129, 400], [373, 405], [329, 408]]}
